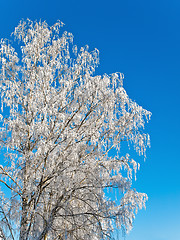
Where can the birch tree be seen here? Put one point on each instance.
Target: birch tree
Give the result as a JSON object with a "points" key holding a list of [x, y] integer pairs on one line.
{"points": [[61, 132]]}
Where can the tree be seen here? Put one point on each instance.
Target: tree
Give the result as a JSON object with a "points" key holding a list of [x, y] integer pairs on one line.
{"points": [[61, 132]]}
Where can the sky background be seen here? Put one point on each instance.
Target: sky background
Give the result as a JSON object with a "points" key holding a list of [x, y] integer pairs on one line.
{"points": [[141, 39]]}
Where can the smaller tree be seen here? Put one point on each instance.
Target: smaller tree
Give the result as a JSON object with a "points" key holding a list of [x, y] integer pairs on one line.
{"points": [[58, 129]]}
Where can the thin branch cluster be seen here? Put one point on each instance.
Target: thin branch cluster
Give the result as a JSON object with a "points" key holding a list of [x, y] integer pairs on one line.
{"points": [[61, 132]]}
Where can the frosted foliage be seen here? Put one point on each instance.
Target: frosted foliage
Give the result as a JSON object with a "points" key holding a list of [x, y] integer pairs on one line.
{"points": [[59, 124]]}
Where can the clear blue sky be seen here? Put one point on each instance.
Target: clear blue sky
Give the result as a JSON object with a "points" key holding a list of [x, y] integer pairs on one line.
{"points": [[141, 39]]}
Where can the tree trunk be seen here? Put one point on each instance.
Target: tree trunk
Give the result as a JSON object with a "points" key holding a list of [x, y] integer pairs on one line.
{"points": [[45, 237], [24, 220]]}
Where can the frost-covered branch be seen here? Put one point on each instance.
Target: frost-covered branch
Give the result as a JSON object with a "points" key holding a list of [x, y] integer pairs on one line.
{"points": [[59, 125]]}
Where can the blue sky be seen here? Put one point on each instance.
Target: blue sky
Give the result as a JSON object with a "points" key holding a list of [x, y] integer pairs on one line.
{"points": [[141, 39]]}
